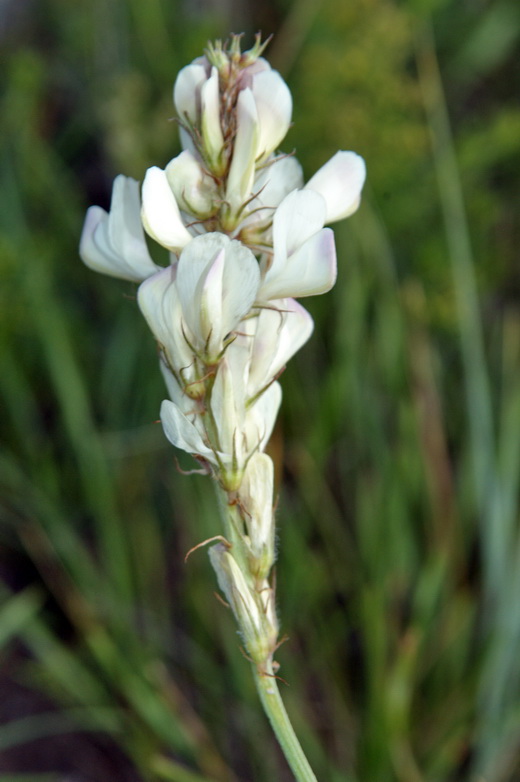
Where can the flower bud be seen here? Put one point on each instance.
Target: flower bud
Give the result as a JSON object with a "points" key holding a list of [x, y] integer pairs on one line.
{"points": [[256, 497], [213, 140], [253, 610]]}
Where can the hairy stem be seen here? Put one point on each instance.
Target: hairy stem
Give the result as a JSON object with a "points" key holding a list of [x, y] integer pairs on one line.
{"points": [[267, 687]]}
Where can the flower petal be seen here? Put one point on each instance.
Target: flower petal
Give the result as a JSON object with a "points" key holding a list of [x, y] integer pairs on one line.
{"points": [[160, 212], [186, 90], [240, 597], [281, 330], [160, 304], [309, 271], [114, 243], [175, 392], [238, 289], [300, 215], [261, 418], [256, 495], [340, 182], [227, 407], [182, 433], [274, 106], [277, 180], [211, 305], [194, 191], [242, 170]]}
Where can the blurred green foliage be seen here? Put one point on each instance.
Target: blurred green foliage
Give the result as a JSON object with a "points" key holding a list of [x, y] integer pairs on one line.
{"points": [[398, 453]]}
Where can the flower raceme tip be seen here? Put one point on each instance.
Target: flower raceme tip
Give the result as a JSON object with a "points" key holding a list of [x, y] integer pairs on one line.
{"points": [[246, 238]]}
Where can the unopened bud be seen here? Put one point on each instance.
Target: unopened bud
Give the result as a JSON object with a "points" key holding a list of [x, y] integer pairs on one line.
{"points": [[254, 618], [210, 123], [256, 497]]}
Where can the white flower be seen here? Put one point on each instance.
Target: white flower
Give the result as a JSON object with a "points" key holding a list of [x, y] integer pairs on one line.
{"points": [[178, 394], [160, 212], [114, 243], [273, 181], [280, 331], [194, 190], [196, 96], [241, 429], [184, 433], [266, 341], [217, 282], [160, 304], [340, 182], [304, 254]]}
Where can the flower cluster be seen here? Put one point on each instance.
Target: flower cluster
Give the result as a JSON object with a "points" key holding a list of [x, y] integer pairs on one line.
{"points": [[246, 239]]}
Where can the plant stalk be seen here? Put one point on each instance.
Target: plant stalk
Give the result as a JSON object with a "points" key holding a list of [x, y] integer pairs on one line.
{"points": [[267, 687]]}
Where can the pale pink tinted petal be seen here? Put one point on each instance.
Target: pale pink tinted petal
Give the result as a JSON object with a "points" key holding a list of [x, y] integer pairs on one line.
{"points": [[160, 213], [114, 243], [300, 215], [340, 182], [257, 66], [309, 271]]}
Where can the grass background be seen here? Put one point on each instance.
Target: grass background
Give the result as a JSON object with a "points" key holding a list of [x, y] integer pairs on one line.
{"points": [[398, 449]]}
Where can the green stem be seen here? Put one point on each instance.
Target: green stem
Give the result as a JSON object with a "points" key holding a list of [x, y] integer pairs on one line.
{"points": [[273, 706], [265, 680], [233, 527]]}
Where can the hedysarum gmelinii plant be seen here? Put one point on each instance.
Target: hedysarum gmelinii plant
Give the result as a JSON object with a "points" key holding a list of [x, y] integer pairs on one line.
{"points": [[246, 238]]}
